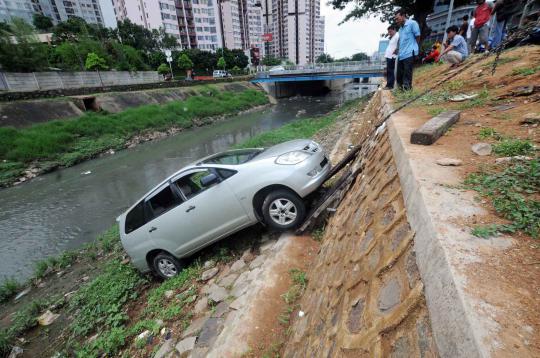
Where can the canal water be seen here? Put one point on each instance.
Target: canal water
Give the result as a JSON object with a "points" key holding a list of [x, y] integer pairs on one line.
{"points": [[69, 207]]}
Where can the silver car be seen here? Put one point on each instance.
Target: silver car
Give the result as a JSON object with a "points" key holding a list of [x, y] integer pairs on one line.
{"points": [[217, 196]]}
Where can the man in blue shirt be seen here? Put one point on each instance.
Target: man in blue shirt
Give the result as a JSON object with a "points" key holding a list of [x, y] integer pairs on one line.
{"points": [[409, 38], [458, 50]]}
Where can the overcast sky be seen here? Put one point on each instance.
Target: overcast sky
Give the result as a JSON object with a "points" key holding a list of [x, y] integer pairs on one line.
{"points": [[353, 36]]}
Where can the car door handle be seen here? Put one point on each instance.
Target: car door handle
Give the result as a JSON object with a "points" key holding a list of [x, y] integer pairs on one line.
{"points": [[153, 228], [190, 208]]}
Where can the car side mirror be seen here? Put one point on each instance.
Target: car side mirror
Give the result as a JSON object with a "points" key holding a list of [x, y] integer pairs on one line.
{"points": [[209, 179]]}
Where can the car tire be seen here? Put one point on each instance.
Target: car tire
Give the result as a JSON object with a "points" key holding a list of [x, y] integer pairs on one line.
{"points": [[283, 210], [166, 265]]}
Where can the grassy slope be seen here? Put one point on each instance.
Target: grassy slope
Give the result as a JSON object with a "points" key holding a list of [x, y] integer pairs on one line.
{"points": [[66, 142], [102, 305]]}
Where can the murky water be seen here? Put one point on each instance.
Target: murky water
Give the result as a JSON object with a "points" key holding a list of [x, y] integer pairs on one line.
{"points": [[64, 209]]}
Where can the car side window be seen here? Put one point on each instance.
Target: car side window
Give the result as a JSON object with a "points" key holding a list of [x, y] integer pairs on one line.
{"points": [[135, 218], [163, 201], [226, 173], [190, 185]]}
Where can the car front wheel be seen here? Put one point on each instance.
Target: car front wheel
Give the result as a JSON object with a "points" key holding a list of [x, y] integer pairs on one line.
{"points": [[166, 265], [283, 210]]}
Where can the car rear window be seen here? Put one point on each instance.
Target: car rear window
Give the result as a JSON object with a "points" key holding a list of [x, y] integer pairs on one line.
{"points": [[135, 218], [233, 158]]}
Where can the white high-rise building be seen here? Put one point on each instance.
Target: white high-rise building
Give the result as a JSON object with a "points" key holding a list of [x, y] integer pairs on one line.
{"points": [[89, 10], [242, 24], [296, 27], [150, 14]]}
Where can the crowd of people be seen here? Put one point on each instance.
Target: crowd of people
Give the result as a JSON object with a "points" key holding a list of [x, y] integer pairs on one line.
{"points": [[471, 36]]}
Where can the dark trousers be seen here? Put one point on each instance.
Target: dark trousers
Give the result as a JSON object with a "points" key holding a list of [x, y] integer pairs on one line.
{"points": [[404, 73], [390, 68]]}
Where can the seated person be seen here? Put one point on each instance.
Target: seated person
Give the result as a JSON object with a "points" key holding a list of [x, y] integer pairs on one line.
{"points": [[432, 56], [457, 51]]}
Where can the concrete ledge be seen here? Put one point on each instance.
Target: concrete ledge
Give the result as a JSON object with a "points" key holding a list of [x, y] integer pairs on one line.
{"points": [[454, 329], [433, 129]]}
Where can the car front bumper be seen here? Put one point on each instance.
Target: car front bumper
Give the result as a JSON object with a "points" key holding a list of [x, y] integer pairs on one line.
{"points": [[316, 181]]}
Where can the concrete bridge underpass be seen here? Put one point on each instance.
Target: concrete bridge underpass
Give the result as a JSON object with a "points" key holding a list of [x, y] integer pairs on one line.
{"points": [[284, 81]]}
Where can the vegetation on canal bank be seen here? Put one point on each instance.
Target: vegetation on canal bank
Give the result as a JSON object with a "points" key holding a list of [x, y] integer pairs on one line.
{"points": [[67, 142], [119, 302]]}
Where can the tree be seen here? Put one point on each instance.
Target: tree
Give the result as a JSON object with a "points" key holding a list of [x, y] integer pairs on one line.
{"points": [[385, 9], [70, 30], [138, 37], [163, 69], [20, 49], [221, 64], [185, 63], [94, 62], [324, 58], [42, 22], [271, 61], [360, 56]]}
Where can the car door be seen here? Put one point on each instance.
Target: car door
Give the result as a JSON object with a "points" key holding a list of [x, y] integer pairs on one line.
{"points": [[208, 213]]}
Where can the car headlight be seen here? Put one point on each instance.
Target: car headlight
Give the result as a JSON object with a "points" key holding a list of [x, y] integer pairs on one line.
{"points": [[292, 158]]}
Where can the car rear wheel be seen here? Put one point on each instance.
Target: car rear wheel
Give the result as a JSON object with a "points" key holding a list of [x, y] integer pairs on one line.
{"points": [[283, 210], [166, 265]]}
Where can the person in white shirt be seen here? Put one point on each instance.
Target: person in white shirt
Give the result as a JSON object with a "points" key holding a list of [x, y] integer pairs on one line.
{"points": [[390, 55]]}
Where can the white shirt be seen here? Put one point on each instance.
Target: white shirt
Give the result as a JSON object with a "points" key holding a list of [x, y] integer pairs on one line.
{"points": [[392, 45], [469, 29]]}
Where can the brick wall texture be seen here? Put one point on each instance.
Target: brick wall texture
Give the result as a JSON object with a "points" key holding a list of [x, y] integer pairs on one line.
{"points": [[365, 296]]}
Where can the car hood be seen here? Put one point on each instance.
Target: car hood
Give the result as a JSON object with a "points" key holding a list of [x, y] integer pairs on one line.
{"points": [[282, 148]]}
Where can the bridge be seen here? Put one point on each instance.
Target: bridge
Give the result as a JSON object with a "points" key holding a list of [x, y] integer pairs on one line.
{"points": [[321, 71]]}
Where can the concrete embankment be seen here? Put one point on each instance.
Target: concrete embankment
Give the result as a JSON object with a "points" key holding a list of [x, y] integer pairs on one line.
{"points": [[27, 112]]}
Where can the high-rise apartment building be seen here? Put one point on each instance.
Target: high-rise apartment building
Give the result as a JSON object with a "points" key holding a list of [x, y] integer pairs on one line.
{"points": [[297, 29], [242, 24], [89, 10], [150, 14]]}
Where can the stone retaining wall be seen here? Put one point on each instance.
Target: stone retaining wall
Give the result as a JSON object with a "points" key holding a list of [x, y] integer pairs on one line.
{"points": [[365, 296], [25, 113]]}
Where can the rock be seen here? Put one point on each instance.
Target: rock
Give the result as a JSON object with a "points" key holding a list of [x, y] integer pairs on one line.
{"points": [[238, 265], [389, 295], [530, 118], [165, 348], [259, 260], [208, 274], [510, 159], [201, 305], [68, 295], [47, 318], [221, 309], [247, 255], [194, 327], [159, 322], [228, 280], [186, 345], [209, 264], [503, 107], [477, 72], [254, 273], [168, 293], [238, 303], [143, 335], [165, 331], [15, 352], [481, 148], [449, 162], [267, 245], [85, 278], [22, 293], [217, 293], [125, 261], [209, 332]]}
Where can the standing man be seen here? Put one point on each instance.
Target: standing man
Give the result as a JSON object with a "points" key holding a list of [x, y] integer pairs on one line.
{"points": [[503, 10], [480, 30], [464, 26], [390, 56], [409, 38]]}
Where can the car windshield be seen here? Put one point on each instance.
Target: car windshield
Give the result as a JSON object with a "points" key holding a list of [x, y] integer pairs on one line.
{"points": [[233, 158]]}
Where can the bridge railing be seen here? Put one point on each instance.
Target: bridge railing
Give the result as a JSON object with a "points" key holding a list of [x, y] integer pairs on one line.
{"points": [[334, 67]]}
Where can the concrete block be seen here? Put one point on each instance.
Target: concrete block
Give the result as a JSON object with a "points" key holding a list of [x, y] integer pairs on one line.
{"points": [[433, 129]]}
